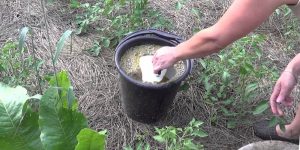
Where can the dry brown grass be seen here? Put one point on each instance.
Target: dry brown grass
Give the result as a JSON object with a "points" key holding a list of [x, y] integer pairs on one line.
{"points": [[95, 79]]}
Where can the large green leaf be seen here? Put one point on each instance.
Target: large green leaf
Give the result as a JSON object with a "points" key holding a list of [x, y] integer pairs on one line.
{"points": [[18, 130], [12, 101], [89, 139], [27, 136], [66, 92], [59, 126]]}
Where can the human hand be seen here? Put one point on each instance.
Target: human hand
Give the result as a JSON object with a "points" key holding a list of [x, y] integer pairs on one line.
{"points": [[281, 92], [164, 58]]}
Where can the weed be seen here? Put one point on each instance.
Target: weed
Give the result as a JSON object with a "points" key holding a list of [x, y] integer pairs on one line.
{"points": [[15, 66], [232, 81], [90, 15], [290, 27], [181, 138], [175, 138], [122, 18]]}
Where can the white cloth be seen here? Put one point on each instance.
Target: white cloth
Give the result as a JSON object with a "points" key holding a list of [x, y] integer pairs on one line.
{"points": [[147, 70]]}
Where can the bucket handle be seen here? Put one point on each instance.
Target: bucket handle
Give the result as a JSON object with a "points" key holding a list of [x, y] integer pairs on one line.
{"points": [[165, 35]]}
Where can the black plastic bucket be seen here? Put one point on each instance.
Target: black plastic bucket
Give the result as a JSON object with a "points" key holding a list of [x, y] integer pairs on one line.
{"points": [[141, 101]]}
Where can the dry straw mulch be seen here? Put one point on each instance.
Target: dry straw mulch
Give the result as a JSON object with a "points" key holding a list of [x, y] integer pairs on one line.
{"points": [[95, 79]]}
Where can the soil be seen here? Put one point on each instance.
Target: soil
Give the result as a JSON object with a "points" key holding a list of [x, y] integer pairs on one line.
{"points": [[131, 58]]}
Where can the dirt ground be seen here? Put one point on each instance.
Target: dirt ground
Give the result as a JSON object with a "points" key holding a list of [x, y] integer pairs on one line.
{"points": [[95, 79]]}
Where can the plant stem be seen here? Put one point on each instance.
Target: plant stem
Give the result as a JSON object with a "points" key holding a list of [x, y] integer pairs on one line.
{"points": [[35, 62], [48, 37], [10, 63]]}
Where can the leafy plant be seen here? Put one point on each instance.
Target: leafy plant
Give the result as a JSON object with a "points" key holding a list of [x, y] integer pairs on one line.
{"points": [[232, 81], [19, 125], [119, 19], [290, 27], [175, 138], [60, 45], [139, 146], [56, 124], [278, 120], [90, 15], [74, 4], [181, 138], [56, 121], [180, 3], [91, 140], [95, 49], [15, 64]]}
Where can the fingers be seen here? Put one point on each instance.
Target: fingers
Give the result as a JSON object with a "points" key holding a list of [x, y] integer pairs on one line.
{"points": [[156, 66], [288, 101], [156, 70], [279, 96], [273, 103], [284, 93], [280, 112]]}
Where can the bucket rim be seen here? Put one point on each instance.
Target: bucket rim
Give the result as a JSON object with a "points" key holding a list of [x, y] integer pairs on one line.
{"points": [[143, 38]]}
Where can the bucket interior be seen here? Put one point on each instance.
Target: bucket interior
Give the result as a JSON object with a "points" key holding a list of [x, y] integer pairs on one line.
{"points": [[137, 41]]}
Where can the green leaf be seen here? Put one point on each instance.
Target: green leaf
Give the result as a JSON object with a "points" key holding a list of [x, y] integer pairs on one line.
{"points": [[225, 76], [261, 107], [249, 67], [228, 101], [59, 126], [66, 90], [89, 139], [282, 127], [195, 12], [71, 99], [95, 50], [103, 132], [139, 146], [147, 146], [74, 4], [273, 122], [231, 124], [60, 45], [184, 87], [62, 80], [159, 138], [178, 5], [243, 70], [199, 133], [189, 145], [19, 129], [106, 42], [250, 88], [22, 37], [202, 62], [12, 102], [231, 61], [197, 124]]}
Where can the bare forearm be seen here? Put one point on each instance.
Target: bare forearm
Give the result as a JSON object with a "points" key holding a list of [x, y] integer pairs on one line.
{"points": [[200, 45], [294, 65], [242, 17]]}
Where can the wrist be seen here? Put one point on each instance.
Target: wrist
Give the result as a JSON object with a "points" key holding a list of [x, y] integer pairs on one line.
{"points": [[291, 73], [178, 55], [294, 66]]}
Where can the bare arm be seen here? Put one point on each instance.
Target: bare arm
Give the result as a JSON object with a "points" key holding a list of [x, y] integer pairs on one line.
{"points": [[294, 66], [242, 17]]}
